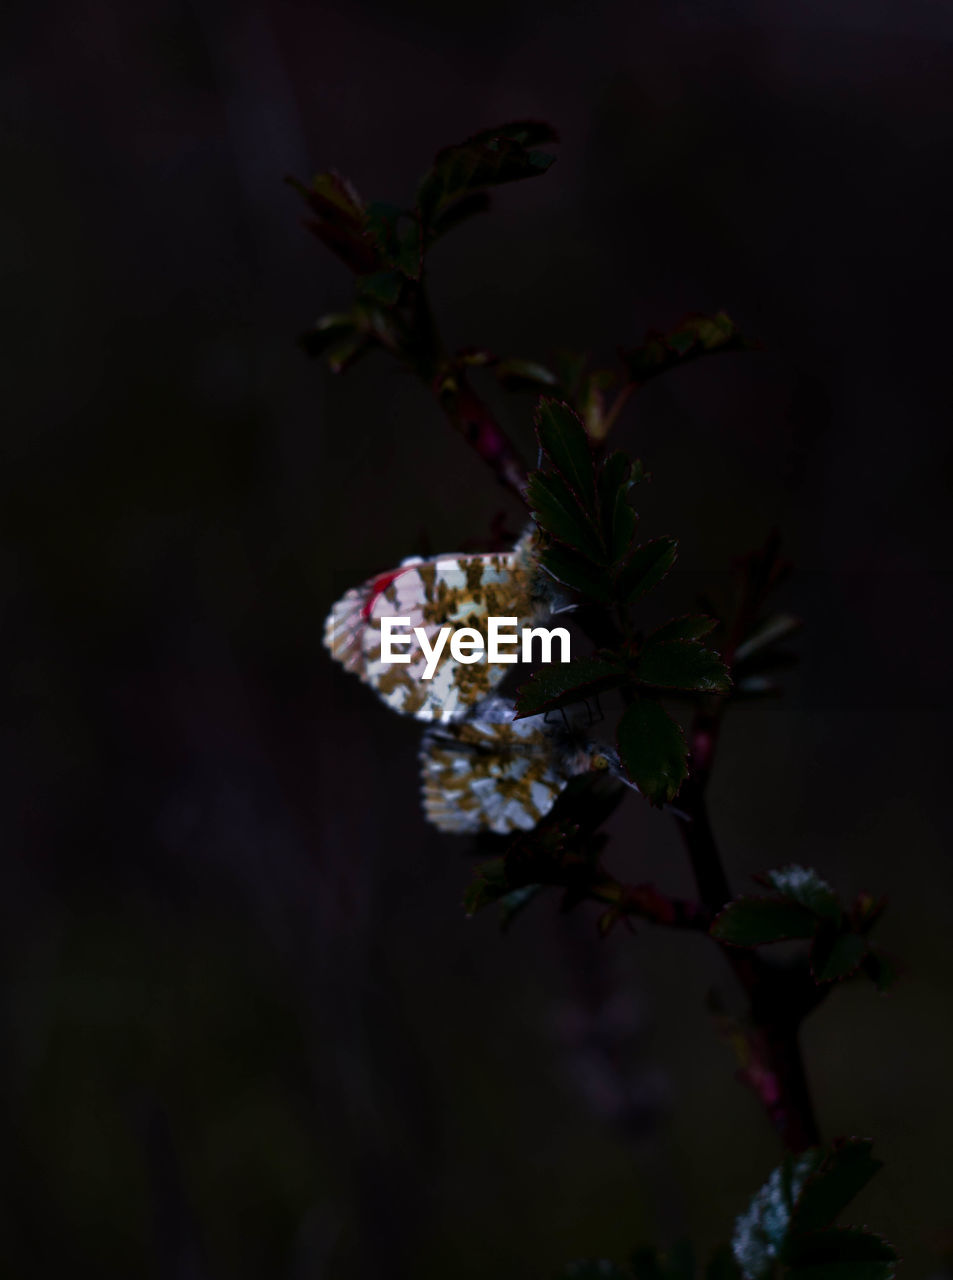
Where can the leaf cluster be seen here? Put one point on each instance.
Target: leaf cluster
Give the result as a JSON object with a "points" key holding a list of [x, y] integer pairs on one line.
{"points": [[581, 505], [597, 394], [561, 851], [798, 904], [696, 335], [788, 1231], [385, 245]]}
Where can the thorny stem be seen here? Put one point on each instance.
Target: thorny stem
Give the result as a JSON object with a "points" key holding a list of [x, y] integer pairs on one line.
{"points": [[646, 903], [778, 999], [447, 379], [471, 417]]}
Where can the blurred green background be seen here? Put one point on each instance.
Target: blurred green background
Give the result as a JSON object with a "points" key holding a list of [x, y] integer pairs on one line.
{"points": [[248, 1031]]}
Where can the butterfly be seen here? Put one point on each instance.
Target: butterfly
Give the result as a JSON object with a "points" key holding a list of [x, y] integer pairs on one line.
{"points": [[491, 772], [449, 590]]}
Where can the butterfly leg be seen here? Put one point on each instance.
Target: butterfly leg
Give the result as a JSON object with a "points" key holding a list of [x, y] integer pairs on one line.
{"points": [[548, 716]]}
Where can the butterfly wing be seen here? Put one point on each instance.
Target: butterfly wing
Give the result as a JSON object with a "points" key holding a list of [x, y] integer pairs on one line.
{"points": [[491, 774], [455, 591]]}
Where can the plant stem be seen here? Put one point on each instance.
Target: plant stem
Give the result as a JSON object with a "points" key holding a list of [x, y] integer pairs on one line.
{"points": [[471, 417], [646, 903], [424, 352], [695, 827], [778, 999], [786, 1095]]}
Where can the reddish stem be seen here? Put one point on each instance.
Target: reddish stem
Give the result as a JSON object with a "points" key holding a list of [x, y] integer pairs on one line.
{"points": [[471, 417], [647, 903], [778, 999]]}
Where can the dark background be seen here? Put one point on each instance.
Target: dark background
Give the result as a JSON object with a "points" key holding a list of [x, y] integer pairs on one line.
{"points": [[247, 1030]]}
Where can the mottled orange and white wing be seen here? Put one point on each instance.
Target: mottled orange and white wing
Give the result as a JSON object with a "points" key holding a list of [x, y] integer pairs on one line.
{"points": [[452, 590], [493, 774]]}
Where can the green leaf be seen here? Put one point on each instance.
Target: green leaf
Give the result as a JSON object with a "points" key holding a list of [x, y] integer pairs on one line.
{"points": [[457, 212], [524, 375], [695, 336], [590, 400], [342, 350], [846, 1168], [559, 514], [563, 439], [395, 233], [769, 631], [693, 626], [328, 332], [652, 750], [836, 955], [339, 220], [646, 568], [751, 921], [343, 337], [489, 158], [804, 885], [618, 471], [789, 1223], [576, 571], [761, 1232], [332, 196], [681, 664], [619, 521], [343, 354], [557, 685]]}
